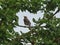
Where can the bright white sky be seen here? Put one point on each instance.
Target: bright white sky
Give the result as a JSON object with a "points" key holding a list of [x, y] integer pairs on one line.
{"points": [[30, 17]]}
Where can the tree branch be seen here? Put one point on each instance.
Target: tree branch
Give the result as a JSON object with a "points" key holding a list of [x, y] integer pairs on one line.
{"points": [[30, 27], [26, 26], [57, 11]]}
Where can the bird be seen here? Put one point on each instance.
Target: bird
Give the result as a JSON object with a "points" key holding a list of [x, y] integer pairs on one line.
{"points": [[26, 21]]}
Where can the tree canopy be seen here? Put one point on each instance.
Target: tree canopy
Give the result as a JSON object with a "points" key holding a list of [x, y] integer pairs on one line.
{"points": [[39, 35]]}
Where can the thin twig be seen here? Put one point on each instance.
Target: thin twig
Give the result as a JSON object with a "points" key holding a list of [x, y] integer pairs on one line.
{"points": [[26, 26]]}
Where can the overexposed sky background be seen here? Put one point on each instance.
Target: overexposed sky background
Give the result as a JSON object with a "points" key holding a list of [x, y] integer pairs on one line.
{"points": [[30, 16]]}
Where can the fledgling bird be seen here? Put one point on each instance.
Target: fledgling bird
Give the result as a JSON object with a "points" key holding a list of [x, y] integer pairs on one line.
{"points": [[26, 21]]}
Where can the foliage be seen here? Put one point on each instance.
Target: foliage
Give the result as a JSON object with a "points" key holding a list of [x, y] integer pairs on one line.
{"points": [[39, 35]]}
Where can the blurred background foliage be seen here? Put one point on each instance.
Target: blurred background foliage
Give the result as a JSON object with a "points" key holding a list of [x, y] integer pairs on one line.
{"points": [[39, 35]]}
